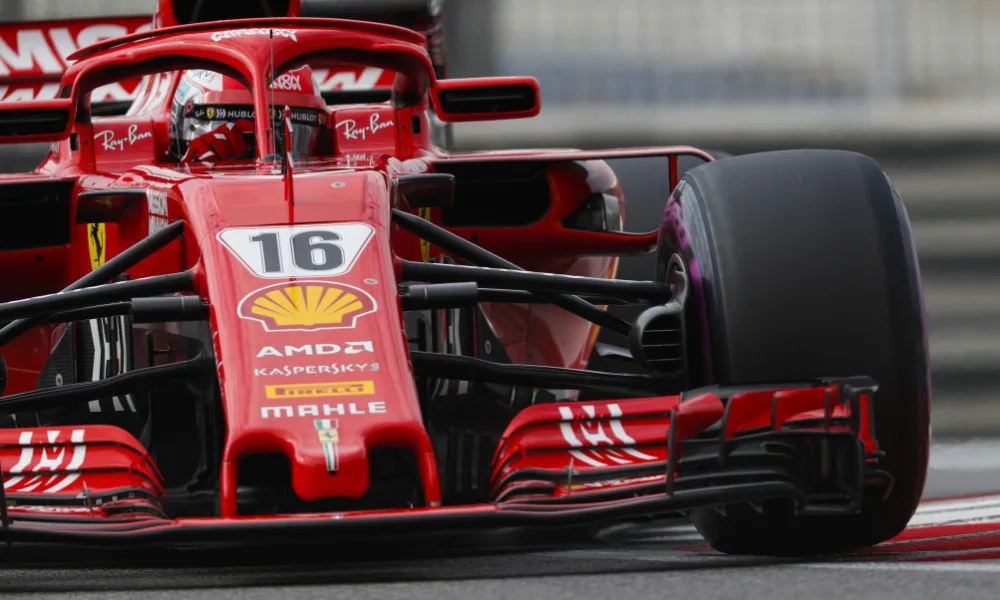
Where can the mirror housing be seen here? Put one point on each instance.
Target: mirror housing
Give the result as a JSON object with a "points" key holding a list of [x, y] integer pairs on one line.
{"points": [[427, 190], [486, 99], [34, 121]]}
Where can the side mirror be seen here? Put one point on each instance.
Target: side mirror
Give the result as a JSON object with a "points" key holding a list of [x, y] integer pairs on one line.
{"points": [[427, 190], [487, 99], [33, 121]]}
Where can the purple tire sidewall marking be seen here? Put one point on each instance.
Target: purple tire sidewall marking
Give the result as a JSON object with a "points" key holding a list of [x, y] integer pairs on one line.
{"points": [[673, 222]]}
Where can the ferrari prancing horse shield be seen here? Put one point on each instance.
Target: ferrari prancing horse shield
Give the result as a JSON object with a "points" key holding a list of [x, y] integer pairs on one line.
{"points": [[97, 238]]}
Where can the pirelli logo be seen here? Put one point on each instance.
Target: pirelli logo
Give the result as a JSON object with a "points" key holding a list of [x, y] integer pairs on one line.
{"points": [[320, 390]]}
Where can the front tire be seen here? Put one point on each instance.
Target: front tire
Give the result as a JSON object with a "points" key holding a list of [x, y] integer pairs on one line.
{"points": [[803, 266]]}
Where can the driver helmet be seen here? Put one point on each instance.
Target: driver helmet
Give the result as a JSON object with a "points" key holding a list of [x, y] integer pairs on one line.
{"points": [[206, 100]]}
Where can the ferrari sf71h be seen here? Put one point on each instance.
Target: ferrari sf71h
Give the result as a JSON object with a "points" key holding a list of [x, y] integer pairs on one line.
{"points": [[257, 306]]}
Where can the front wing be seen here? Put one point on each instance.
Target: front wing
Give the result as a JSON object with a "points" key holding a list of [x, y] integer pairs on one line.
{"points": [[559, 464]]}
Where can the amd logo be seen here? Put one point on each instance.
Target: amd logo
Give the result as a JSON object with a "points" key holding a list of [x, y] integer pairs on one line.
{"points": [[317, 349]]}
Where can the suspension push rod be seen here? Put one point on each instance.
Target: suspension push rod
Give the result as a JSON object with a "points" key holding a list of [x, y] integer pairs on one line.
{"points": [[468, 251]]}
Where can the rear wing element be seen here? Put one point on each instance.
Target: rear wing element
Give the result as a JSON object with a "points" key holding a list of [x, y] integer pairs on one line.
{"points": [[422, 16], [33, 56]]}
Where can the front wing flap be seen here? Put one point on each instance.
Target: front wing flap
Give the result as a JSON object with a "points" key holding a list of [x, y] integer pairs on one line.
{"points": [[815, 443], [583, 463]]}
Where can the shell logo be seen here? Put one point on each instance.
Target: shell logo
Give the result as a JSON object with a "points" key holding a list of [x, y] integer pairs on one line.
{"points": [[307, 306]]}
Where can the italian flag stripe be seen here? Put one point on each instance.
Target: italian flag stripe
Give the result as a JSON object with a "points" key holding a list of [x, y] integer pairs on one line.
{"points": [[329, 450]]}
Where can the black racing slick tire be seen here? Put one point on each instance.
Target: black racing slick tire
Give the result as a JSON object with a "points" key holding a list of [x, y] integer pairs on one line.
{"points": [[803, 265]]}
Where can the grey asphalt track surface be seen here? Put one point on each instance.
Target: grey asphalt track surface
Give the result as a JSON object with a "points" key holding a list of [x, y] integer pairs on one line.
{"points": [[658, 560]]}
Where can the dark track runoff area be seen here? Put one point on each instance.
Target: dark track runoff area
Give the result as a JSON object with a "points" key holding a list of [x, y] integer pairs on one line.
{"points": [[952, 550]]}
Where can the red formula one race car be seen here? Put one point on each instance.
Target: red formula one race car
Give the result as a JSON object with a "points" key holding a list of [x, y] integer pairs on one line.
{"points": [[252, 310]]}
